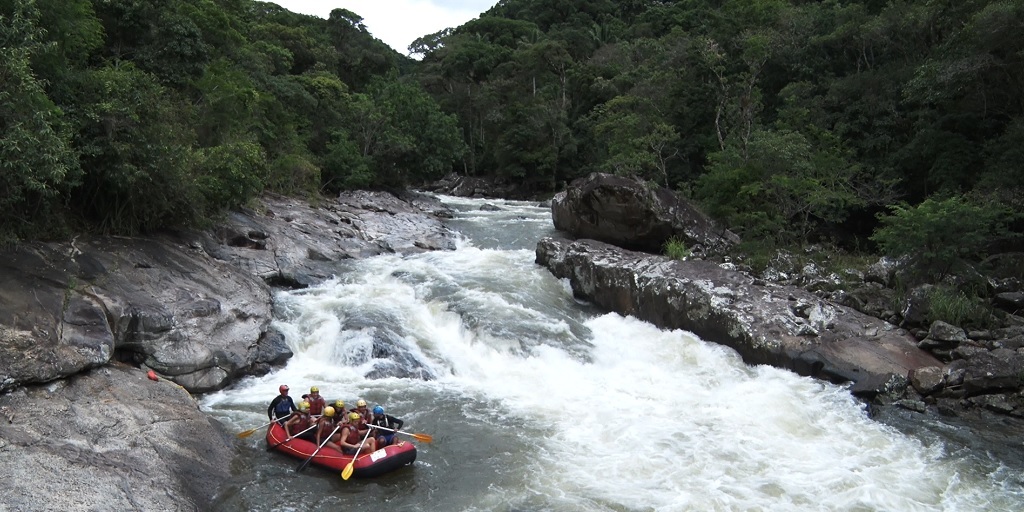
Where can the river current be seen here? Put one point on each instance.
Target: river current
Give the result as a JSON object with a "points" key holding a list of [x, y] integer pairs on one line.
{"points": [[539, 402]]}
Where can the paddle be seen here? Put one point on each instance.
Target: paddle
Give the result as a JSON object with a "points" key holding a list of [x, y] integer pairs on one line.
{"points": [[249, 432], [305, 462], [347, 472], [285, 440], [426, 438]]}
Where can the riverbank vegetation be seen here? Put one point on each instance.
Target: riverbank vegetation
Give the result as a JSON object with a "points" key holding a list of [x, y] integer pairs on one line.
{"points": [[851, 122], [128, 116], [892, 127]]}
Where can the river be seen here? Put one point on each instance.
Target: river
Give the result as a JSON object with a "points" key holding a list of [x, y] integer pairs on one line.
{"points": [[539, 402]]}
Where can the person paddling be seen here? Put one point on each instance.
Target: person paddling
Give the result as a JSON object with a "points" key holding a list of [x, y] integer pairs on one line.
{"points": [[281, 406], [385, 437], [299, 421], [352, 435], [326, 425]]}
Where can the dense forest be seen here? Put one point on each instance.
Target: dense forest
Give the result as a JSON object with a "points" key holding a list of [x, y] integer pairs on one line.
{"points": [[790, 120], [128, 116], [874, 125]]}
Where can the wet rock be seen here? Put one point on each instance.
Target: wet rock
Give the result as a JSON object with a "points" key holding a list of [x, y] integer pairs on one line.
{"points": [[767, 324], [912, 405]]}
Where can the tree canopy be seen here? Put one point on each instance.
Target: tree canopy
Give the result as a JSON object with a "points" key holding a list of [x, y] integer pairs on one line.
{"points": [[129, 116], [789, 120]]}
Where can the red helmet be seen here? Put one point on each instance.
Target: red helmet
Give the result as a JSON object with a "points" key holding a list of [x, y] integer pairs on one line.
{"points": [[283, 388]]}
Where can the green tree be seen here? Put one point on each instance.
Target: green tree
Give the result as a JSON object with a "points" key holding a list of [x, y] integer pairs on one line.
{"points": [[37, 160], [940, 236]]}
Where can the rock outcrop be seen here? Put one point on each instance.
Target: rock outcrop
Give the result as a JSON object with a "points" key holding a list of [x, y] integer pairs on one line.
{"points": [[109, 439], [196, 307], [630, 214], [81, 425], [767, 324]]}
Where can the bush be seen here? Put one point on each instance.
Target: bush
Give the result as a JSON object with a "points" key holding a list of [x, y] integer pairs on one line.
{"points": [[939, 235], [955, 307], [676, 249]]}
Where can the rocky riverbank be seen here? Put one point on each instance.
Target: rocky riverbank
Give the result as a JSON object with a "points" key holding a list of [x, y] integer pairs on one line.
{"points": [[796, 318], [81, 322]]}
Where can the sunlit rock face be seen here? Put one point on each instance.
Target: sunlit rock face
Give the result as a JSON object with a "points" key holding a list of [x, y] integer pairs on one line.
{"points": [[770, 324]]}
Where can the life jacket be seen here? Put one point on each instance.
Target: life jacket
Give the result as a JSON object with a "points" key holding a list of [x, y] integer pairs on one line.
{"points": [[352, 434], [283, 407], [325, 426], [316, 405], [303, 422], [383, 422]]}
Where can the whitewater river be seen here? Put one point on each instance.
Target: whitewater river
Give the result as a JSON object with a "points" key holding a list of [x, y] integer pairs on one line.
{"points": [[539, 402]]}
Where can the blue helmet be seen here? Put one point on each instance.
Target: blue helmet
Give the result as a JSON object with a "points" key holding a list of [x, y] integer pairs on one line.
{"points": [[378, 410]]}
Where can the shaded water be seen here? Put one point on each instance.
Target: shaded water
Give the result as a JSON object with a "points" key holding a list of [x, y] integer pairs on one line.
{"points": [[536, 401]]}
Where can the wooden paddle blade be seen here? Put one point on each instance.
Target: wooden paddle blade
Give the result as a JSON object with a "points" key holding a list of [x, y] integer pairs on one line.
{"points": [[247, 433], [426, 438], [347, 472]]}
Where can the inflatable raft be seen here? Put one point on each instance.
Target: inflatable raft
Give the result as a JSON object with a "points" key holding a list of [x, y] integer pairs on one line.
{"points": [[384, 460]]}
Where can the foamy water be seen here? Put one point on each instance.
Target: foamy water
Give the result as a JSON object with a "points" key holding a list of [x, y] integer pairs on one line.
{"points": [[537, 402]]}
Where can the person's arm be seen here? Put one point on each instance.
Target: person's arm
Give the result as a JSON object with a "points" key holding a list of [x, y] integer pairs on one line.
{"points": [[398, 423], [344, 438], [292, 404], [270, 410]]}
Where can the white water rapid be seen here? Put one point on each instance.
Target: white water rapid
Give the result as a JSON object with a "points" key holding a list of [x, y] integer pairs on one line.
{"points": [[538, 402]]}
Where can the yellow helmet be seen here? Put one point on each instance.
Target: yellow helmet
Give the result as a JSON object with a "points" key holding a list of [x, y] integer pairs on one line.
{"points": [[339, 404], [361, 403], [354, 416], [314, 389], [304, 406], [328, 411]]}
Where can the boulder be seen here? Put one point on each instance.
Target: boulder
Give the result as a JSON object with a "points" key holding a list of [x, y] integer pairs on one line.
{"points": [[631, 214], [194, 306], [995, 371], [289, 243], [771, 324], [109, 439], [158, 302], [927, 380]]}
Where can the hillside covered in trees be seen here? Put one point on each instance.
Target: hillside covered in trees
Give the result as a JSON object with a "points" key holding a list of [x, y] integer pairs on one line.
{"points": [[787, 119], [126, 116], [891, 125]]}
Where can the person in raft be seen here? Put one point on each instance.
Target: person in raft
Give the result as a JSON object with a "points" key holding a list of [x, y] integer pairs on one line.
{"points": [[299, 422], [326, 425], [316, 402], [352, 435], [363, 411], [385, 437], [281, 406]]}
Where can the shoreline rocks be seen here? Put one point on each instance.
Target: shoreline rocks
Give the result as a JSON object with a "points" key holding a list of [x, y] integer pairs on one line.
{"points": [[81, 321], [781, 326]]}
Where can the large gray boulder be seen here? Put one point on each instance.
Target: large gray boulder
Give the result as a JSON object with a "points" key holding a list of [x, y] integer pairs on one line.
{"points": [[162, 302], [289, 243], [631, 214], [109, 439], [782, 326], [194, 306]]}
